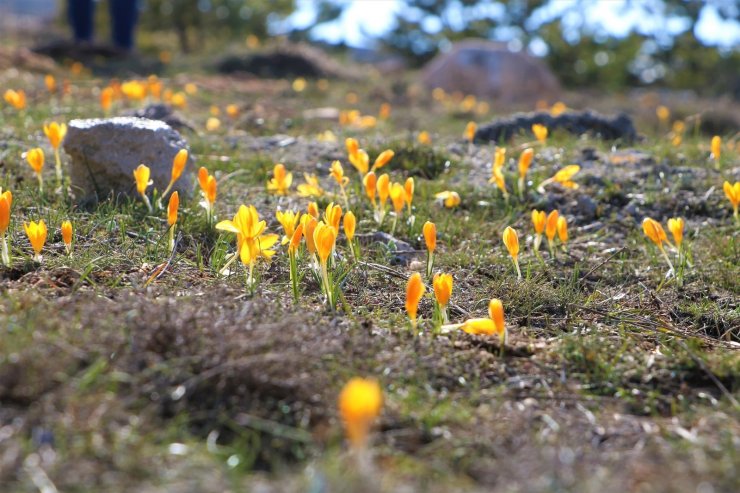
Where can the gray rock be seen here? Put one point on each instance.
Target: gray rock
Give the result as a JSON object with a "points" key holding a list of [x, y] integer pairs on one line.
{"points": [[586, 207], [489, 70], [105, 153], [164, 113]]}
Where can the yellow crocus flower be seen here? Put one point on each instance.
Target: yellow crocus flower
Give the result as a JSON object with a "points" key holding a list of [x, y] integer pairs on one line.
{"points": [[498, 178], [539, 218], [551, 228], [35, 159], [333, 216], [232, 111], [493, 325], [370, 182], [414, 291], [36, 233], [656, 233], [309, 224], [55, 133], [442, 285], [172, 207], [430, 236], [51, 83], [17, 99], [558, 108], [67, 234], [352, 145], [676, 226], [289, 220], [663, 114], [448, 198], [337, 172], [398, 197], [6, 201], [324, 237], [563, 177], [360, 403], [383, 159], [361, 161], [540, 132], [525, 161], [106, 99], [295, 240], [385, 111], [562, 227], [281, 180], [716, 146], [313, 209], [178, 166], [470, 129], [511, 240], [141, 175], [408, 187], [384, 189], [349, 223], [732, 192], [311, 188]]}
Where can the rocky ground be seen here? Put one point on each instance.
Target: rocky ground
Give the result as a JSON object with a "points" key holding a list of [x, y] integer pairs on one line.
{"points": [[614, 377]]}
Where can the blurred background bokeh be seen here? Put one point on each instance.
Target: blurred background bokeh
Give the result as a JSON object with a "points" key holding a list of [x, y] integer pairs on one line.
{"points": [[609, 45]]}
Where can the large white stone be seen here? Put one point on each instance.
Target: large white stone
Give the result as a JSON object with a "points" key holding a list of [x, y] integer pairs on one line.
{"points": [[105, 153]]}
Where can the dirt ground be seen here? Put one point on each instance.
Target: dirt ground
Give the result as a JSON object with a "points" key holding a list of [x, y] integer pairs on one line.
{"points": [[613, 377]]}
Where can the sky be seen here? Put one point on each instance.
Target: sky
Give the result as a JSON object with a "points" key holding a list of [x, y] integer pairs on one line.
{"points": [[376, 18]]}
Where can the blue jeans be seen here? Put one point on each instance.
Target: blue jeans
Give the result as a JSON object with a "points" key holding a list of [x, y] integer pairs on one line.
{"points": [[123, 15]]}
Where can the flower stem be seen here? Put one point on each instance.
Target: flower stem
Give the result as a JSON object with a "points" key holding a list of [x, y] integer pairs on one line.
{"points": [[518, 270], [665, 256], [6, 252], [172, 238], [146, 201], [294, 274], [250, 278], [327, 287], [520, 185], [537, 243], [58, 165], [344, 196]]}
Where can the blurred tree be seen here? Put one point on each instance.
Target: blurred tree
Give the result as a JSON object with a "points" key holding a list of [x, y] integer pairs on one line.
{"points": [[579, 53], [216, 19]]}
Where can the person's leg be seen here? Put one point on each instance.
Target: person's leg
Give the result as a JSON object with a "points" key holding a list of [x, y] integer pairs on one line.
{"points": [[123, 15], [81, 14]]}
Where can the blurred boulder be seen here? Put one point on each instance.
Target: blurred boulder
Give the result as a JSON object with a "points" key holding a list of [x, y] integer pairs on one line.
{"points": [[489, 70], [164, 113], [105, 153], [607, 127], [25, 59], [287, 60]]}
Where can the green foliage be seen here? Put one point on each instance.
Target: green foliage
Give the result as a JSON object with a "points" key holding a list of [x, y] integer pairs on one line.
{"points": [[582, 55], [212, 19]]}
